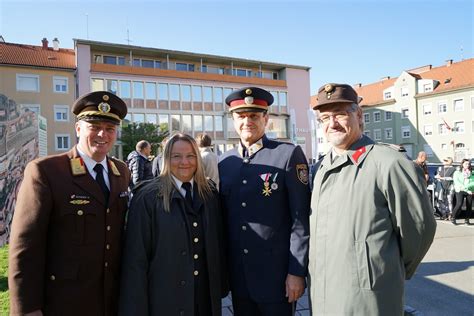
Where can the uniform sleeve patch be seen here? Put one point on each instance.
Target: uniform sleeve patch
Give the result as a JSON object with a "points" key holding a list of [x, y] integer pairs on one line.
{"points": [[302, 173]]}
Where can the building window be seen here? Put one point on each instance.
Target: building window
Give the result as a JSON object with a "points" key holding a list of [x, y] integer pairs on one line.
{"points": [[174, 92], [458, 127], [207, 94], [218, 123], [184, 67], [241, 72], [136, 62], [163, 90], [139, 118], [405, 113], [61, 113], [227, 91], [428, 130], [197, 94], [36, 108], [175, 123], [125, 89], [151, 118], [388, 133], [442, 129], [218, 95], [208, 123], [458, 105], [428, 87], [158, 64], [388, 115], [282, 98], [377, 134], [163, 121], [367, 133], [146, 63], [377, 117], [150, 91], [138, 90], [198, 123], [472, 127], [110, 60], [186, 120], [28, 83], [404, 91], [97, 84], [366, 118], [112, 86], [62, 141], [444, 146], [320, 140], [442, 107], [387, 95], [60, 84], [406, 132], [186, 93], [427, 109]]}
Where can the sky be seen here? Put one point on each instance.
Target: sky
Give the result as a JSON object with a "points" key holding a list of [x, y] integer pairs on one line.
{"points": [[342, 41]]}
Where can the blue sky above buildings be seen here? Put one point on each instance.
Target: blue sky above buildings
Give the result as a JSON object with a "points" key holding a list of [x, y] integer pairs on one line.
{"points": [[342, 41]]}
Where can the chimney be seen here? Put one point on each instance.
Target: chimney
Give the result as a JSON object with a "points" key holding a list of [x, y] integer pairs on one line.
{"points": [[357, 85], [45, 43], [55, 44], [449, 62], [385, 78]]}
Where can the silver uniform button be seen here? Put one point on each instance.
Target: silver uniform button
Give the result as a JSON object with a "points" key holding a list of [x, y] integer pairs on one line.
{"points": [[244, 227], [195, 224], [244, 181], [196, 256], [244, 204], [196, 272], [246, 251], [246, 160], [196, 240]]}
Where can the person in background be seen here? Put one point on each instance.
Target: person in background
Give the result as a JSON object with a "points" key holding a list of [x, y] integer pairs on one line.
{"points": [[464, 188], [264, 186], [66, 236], [138, 163], [209, 158], [445, 188], [371, 221], [157, 162], [421, 162], [173, 262]]}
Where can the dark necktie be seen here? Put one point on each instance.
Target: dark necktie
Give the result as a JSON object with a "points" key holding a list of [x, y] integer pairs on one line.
{"points": [[188, 197], [100, 180]]}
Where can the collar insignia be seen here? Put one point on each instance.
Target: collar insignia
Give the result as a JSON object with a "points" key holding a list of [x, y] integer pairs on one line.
{"points": [[356, 155], [115, 171], [77, 167]]}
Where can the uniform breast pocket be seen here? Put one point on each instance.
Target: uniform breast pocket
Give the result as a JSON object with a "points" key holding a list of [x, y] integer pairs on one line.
{"points": [[78, 224]]}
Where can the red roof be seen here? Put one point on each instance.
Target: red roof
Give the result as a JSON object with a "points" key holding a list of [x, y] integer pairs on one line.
{"points": [[29, 55], [449, 77]]}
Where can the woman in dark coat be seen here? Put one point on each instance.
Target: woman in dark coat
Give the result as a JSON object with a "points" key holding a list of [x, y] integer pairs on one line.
{"points": [[173, 261]]}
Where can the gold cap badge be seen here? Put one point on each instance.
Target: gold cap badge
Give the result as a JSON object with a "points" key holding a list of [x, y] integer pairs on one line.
{"points": [[248, 91], [105, 97], [104, 107]]}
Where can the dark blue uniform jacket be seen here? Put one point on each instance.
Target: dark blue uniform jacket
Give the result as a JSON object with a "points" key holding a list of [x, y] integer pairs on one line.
{"points": [[267, 201]]}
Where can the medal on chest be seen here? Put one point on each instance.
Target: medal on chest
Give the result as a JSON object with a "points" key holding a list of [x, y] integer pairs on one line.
{"points": [[267, 188]]}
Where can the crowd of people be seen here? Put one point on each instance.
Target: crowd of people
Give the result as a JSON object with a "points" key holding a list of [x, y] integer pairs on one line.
{"points": [[92, 235]]}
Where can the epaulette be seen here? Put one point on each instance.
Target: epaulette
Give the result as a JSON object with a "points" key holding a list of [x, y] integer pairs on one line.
{"points": [[398, 148]]}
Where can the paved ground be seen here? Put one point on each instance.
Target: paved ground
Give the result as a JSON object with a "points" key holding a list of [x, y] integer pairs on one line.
{"points": [[444, 282]]}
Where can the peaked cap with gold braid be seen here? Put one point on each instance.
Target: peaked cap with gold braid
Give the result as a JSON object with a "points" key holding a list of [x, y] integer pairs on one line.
{"points": [[100, 106]]}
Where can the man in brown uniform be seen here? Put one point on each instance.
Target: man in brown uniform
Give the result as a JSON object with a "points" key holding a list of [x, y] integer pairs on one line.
{"points": [[67, 227]]}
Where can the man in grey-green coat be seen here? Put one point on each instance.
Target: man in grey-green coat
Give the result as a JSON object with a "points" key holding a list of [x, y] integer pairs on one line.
{"points": [[371, 221]]}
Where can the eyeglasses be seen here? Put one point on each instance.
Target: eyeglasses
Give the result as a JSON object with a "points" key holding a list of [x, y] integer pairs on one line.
{"points": [[178, 157], [338, 116]]}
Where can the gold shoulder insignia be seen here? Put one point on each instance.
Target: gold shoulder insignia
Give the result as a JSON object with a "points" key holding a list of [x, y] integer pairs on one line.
{"points": [[302, 173], [77, 167], [115, 171]]}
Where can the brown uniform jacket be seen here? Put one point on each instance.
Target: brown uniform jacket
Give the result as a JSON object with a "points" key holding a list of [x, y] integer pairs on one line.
{"points": [[65, 243]]}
